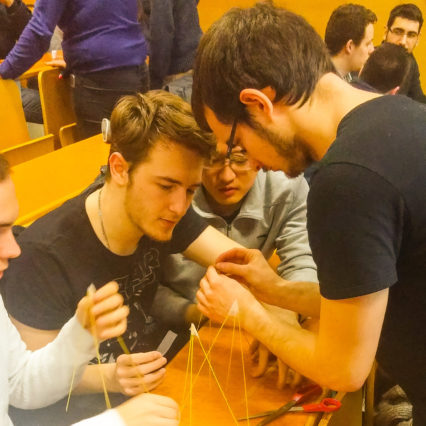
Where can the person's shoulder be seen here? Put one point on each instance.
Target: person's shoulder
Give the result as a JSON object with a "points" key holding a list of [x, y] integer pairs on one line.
{"points": [[278, 188], [378, 115], [66, 219], [414, 60]]}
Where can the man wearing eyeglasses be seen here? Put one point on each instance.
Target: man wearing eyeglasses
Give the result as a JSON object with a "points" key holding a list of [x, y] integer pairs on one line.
{"points": [[263, 210], [366, 207], [403, 28]]}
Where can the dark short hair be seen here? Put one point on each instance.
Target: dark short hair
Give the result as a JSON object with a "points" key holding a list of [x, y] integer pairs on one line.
{"points": [[408, 11], [347, 22], [4, 169], [387, 67], [139, 121], [254, 48]]}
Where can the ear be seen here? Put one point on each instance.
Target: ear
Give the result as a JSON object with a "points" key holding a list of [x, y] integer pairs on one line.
{"points": [[259, 101], [349, 46], [385, 35], [119, 168], [418, 39], [394, 91]]}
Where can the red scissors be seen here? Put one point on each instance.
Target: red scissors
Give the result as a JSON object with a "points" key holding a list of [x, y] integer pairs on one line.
{"points": [[326, 405]]}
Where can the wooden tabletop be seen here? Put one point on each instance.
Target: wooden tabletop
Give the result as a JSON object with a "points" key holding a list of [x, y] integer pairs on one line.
{"points": [[208, 404], [47, 181]]}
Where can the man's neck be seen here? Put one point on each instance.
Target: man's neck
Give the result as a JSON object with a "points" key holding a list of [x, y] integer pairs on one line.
{"points": [[222, 210], [110, 221], [332, 100], [340, 62]]}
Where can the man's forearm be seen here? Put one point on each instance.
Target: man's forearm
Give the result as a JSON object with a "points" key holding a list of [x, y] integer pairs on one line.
{"points": [[340, 354], [293, 345], [91, 382], [299, 296]]}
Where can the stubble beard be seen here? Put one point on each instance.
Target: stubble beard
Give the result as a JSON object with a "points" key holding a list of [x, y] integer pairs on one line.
{"points": [[138, 219], [297, 153]]}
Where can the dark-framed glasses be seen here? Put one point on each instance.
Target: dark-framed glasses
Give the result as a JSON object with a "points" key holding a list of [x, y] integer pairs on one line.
{"points": [[400, 32], [230, 142], [238, 161]]}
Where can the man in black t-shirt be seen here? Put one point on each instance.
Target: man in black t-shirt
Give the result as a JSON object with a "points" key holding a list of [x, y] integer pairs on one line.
{"points": [[274, 94], [118, 231]]}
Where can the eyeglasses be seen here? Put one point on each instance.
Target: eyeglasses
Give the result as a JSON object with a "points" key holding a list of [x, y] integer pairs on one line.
{"points": [[236, 160], [230, 142], [399, 32]]}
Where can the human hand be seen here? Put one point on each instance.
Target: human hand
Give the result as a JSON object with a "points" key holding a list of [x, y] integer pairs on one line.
{"points": [[59, 63], [263, 359], [218, 292], [102, 312], [193, 314], [149, 410], [138, 373], [250, 267]]}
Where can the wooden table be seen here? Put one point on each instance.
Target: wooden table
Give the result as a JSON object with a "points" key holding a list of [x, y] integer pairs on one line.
{"points": [[45, 182], [208, 405]]}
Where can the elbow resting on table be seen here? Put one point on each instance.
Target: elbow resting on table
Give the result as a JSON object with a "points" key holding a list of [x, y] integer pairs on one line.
{"points": [[344, 382]]}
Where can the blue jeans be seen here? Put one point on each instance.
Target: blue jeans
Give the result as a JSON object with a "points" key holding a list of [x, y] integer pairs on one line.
{"points": [[182, 87], [95, 94], [31, 104]]}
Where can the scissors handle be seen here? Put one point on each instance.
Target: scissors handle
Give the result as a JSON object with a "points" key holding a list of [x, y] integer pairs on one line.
{"points": [[277, 413], [327, 405]]}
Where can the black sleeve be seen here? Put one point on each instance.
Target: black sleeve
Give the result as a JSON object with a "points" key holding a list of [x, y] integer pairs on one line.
{"points": [[415, 90], [187, 231], [355, 222], [35, 289], [19, 15]]}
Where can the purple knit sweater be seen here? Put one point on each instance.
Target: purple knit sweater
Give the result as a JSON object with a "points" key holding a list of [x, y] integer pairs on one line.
{"points": [[98, 35]]}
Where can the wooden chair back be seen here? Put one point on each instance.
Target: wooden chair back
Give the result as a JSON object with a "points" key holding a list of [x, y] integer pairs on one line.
{"points": [[56, 102], [45, 182], [29, 150], [12, 119]]}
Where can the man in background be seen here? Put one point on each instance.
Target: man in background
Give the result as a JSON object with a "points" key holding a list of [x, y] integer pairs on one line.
{"points": [[349, 38], [14, 16], [386, 70], [174, 32], [403, 28]]}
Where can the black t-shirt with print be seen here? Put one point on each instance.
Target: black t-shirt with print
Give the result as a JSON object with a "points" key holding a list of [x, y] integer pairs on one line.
{"points": [[61, 256], [367, 228]]}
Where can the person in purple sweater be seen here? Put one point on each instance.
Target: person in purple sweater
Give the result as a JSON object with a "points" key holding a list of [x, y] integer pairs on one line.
{"points": [[103, 46]]}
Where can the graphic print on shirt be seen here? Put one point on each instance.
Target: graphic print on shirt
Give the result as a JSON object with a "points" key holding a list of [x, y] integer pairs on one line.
{"points": [[138, 290]]}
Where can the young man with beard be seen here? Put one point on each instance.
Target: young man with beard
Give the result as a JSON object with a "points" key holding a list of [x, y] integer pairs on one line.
{"points": [[403, 28], [366, 206], [118, 231]]}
